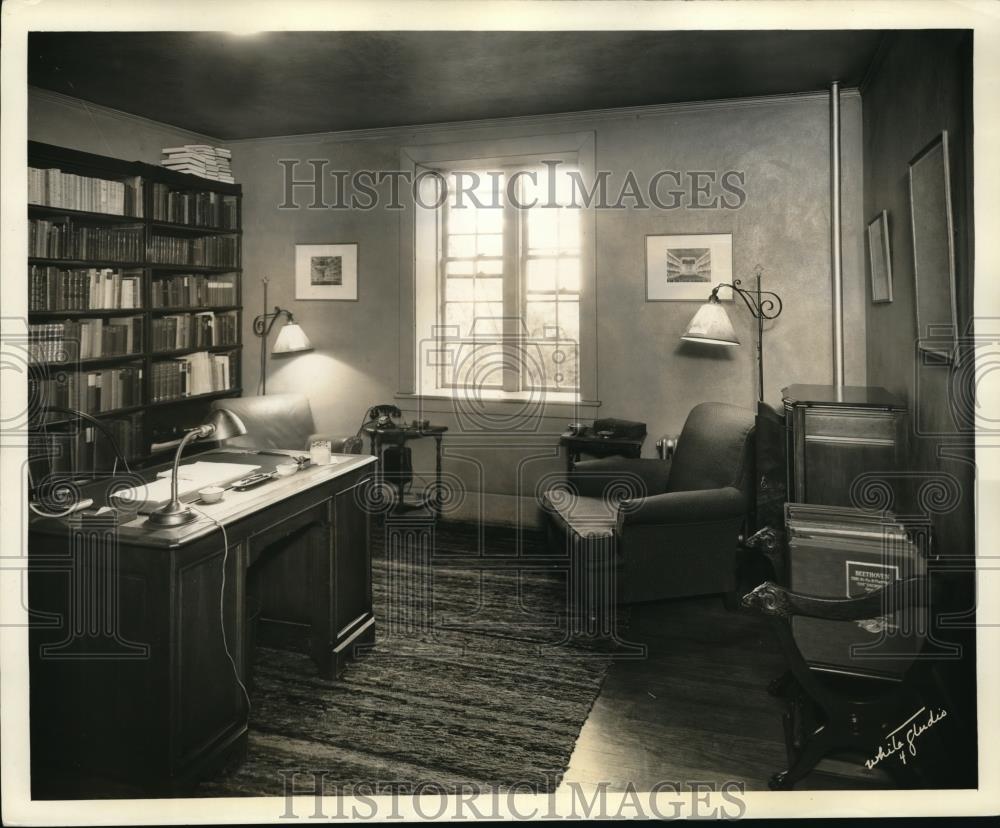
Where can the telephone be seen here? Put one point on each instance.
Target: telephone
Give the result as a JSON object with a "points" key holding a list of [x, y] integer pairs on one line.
{"points": [[384, 415], [397, 465]]}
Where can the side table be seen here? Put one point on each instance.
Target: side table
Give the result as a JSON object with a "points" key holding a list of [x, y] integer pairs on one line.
{"points": [[591, 444], [400, 436]]}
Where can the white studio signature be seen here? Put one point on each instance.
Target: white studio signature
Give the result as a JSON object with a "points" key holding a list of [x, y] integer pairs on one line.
{"points": [[894, 747]]}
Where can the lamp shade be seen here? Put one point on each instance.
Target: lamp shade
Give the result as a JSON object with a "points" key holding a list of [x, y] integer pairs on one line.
{"points": [[711, 325], [223, 424], [291, 338]]}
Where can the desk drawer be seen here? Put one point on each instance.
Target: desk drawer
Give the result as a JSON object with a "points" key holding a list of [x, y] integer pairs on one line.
{"points": [[284, 529], [850, 426]]}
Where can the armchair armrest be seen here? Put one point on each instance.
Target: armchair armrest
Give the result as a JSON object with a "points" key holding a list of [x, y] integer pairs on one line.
{"points": [[780, 606], [699, 506], [641, 477], [778, 602]]}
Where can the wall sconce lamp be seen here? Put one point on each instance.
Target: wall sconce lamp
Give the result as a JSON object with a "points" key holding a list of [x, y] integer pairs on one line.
{"points": [[711, 324], [221, 425], [291, 338]]}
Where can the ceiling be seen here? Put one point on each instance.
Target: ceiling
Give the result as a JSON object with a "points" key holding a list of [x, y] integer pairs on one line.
{"points": [[288, 83]]}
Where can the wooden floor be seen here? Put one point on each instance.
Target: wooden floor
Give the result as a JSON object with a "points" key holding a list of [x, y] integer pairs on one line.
{"points": [[695, 709]]}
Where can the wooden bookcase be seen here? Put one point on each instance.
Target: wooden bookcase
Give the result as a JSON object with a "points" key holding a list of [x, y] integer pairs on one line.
{"points": [[128, 230]]}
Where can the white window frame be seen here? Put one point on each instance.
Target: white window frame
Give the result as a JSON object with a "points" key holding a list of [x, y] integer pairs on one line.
{"points": [[419, 232]]}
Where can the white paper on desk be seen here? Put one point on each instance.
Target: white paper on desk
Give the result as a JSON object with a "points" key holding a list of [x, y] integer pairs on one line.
{"points": [[191, 478]]}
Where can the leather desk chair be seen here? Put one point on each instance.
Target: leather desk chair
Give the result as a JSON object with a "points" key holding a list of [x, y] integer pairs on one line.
{"points": [[281, 421], [667, 529]]}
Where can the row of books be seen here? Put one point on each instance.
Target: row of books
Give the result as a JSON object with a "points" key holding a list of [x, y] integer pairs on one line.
{"points": [[84, 339], [53, 288], [92, 392], [198, 330], [187, 376], [192, 291], [55, 188], [213, 251], [203, 209], [200, 159], [65, 239], [71, 447]]}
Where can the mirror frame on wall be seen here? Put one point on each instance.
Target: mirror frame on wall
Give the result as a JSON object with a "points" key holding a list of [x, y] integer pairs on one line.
{"points": [[933, 335]]}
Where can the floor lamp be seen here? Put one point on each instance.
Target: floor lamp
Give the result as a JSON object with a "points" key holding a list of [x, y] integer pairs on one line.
{"points": [[711, 324], [291, 338]]}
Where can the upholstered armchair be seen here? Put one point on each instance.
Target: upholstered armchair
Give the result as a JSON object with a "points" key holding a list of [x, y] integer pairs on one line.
{"points": [[281, 421], [661, 529]]}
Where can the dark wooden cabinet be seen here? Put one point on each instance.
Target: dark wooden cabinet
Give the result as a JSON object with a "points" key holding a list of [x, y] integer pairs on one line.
{"points": [[836, 435], [139, 641]]}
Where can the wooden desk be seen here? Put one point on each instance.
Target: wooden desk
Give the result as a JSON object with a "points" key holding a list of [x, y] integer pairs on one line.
{"points": [[140, 635]]}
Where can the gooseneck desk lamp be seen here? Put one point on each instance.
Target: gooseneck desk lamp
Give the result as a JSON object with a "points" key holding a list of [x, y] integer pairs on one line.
{"points": [[711, 324], [221, 425], [291, 338]]}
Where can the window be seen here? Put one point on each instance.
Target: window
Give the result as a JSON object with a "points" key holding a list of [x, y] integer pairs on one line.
{"points": [[508, 278], [497, 293]]}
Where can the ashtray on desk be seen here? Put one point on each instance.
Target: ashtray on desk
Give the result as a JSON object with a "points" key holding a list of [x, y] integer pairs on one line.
{"points": [[211, 494]]}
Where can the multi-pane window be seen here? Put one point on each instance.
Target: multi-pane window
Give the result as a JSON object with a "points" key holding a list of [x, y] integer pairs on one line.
{"points": [[509, 279], [472, 281], [550, 261]]}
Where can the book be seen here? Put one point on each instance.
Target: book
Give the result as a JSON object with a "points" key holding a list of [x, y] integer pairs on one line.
{"points": [[52, 187], [202, 160]]}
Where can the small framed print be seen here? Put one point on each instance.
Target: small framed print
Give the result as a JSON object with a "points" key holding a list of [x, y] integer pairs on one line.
{"points": [[326, 271], [879, 258], [686, 268]]}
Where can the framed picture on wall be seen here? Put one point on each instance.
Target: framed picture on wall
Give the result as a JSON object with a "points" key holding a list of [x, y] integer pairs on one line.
{"points": [[326, 271], [686, 268], [879, 258], [934, 249]]}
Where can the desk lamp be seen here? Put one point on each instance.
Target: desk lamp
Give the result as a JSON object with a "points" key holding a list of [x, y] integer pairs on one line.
{"points": [[291, 338], [711, 325], [221, 425]]}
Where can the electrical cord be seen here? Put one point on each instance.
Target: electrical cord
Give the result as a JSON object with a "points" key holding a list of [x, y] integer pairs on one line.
{"points": [[222, 595], [364, 419]]}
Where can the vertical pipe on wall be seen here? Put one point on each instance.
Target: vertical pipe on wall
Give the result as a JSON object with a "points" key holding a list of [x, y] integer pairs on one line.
{"points": [[835, 260]]}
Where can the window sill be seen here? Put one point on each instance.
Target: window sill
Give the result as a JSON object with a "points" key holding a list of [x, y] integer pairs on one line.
{"points": [[551, 405]]}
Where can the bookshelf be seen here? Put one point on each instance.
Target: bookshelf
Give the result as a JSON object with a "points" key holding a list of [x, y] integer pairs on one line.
{"points": [[134, 306]]}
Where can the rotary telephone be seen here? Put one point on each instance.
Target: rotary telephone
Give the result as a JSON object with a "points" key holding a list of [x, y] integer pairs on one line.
{"points": [[397, 466], [385, 416]]}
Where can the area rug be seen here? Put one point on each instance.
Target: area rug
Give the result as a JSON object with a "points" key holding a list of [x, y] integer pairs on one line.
{"points": [[471, 684]]}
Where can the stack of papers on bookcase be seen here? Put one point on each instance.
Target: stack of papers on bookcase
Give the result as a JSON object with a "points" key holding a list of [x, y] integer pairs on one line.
{"points": [[201, 160]]}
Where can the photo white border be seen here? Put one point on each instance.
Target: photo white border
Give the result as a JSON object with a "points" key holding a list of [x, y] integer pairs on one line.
{"points": [[245, 16]]}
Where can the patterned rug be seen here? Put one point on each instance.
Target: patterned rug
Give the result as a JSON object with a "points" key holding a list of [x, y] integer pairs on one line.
{"points": [[472, 683]]}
